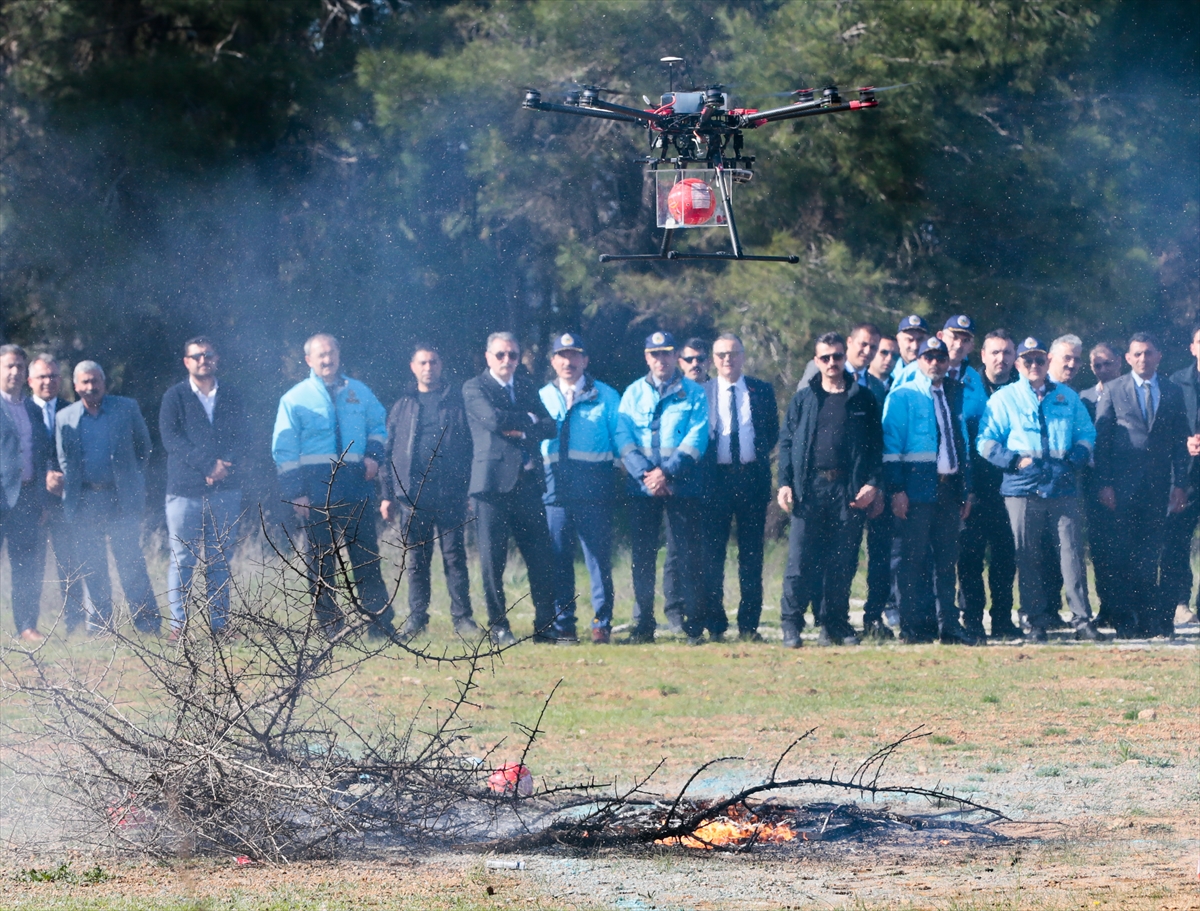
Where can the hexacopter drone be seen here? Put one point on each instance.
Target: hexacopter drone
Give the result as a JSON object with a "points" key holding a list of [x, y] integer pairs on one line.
{"points": [[696, 191]]}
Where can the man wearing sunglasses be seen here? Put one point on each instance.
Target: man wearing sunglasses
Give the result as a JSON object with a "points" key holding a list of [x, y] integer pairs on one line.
{"points": [[926, 467], [662, 434], [829, 482], [508, 423], [1142, 471], [1039, 433], [1106, 367], [203, 428]]}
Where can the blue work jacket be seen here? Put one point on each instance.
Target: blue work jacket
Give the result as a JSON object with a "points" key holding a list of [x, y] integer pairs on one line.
{"points": [[974, 396], [910, 439], [670, 433], [312, 430], [1056, 433], [589, 431]]}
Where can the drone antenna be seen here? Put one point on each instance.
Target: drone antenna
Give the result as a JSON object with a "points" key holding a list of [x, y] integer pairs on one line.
{"points": [[670, 62]]}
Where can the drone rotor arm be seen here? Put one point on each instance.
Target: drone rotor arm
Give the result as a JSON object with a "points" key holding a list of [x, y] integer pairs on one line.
{"points": [[579, 111], [794, 111], [635, 114]]}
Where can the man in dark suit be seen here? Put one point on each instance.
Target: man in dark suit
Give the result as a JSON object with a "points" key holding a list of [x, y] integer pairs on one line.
{"points": [[1142, 467], [1181, 527], [1106, 367], [508, 422], [743, 425], [24, 451], [103, 447], [45, 380], [203, 429]]}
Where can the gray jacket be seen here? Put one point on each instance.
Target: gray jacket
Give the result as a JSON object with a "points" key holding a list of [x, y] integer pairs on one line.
{"points": [[130, 451]]}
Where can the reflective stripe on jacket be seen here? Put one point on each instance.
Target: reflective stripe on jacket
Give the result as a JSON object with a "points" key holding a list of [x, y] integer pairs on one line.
{"points": [[591, 437], [1056, 433], [670, 433], [910, 439]]}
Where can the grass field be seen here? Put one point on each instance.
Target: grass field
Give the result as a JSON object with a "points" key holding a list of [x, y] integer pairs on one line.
{"points": [[1091, 750]]}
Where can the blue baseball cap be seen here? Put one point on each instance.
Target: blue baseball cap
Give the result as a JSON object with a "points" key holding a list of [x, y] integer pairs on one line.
{"points": [[660, 341], [1030, 344], [960, 323], [568, 341], [914, 323], [934, 344]]}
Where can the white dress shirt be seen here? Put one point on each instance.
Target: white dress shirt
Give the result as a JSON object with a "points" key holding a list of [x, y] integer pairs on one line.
{"points": [[947, 459], [1139, 387], [49, 410], [208, 400], [719, 416]]}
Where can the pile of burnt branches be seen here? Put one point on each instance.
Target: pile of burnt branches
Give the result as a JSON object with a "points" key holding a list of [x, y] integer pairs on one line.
{"points": [[242, 742], [752, 816]]}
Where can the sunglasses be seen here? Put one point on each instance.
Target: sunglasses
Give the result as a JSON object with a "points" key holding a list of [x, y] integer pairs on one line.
{"points": [[723, 355], [694, 358], [826, 358], [1035, 361], [935, 357], [202, 356], [506, 355]]}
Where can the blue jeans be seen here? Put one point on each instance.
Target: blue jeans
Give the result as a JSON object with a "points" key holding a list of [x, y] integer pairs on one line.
{"points": [[99, 524], [207, 523], [589, 521]]}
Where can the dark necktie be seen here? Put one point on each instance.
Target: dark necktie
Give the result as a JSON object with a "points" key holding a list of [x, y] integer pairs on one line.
{"points": [[944, 410], [1148, 409], [735, 437]]}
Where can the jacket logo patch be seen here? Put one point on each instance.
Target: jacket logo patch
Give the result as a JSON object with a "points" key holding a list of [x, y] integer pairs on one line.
{"points": [[351, 398]]}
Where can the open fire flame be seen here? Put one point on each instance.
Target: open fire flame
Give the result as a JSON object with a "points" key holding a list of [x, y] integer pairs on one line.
{"points": [[736, 827]]}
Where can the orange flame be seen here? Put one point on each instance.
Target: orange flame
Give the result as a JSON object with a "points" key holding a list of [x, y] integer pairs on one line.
{"points": [[738, 828]]}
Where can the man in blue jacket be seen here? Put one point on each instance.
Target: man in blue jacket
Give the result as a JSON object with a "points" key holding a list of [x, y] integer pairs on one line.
{"points": [[328, 444], [203, 429], [579, 483], [662, 434], [1039, 433], [926, 467]]}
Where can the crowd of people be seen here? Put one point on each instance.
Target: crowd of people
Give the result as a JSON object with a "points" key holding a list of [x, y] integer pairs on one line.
{"points": [[948, 470]]}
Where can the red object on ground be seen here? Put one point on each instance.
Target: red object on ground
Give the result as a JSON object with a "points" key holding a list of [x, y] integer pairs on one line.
{"points": [[691, 202], [510, 778]]}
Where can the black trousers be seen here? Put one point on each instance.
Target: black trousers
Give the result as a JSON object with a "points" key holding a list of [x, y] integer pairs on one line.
{"points": [[428, 523], [1140, 605], [1101, 541], [21, 528], [742, 493], [521, 515], [823, 544], [930, 528], [881, 578], [987, 529], [343, 542], [646, 516], [1177, 553]]}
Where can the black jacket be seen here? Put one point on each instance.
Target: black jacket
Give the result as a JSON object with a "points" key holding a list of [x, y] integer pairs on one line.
{"points": [[193, 444], [864, 438], [764, 415], [986, 477], [451, 473], [498, 460], [1189, 384], [1130, 453]]}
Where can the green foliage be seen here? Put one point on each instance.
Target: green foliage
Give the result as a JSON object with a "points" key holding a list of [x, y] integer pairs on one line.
{"points": [[63, 874]]}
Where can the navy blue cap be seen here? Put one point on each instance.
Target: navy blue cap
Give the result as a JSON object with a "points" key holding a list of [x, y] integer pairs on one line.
{"points": [[912, 323], [660, 341], [960, 323], [568, 341], [934, 344], [1030, 344]]}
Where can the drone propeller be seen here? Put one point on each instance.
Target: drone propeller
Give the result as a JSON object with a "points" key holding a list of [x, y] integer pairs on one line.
{"points": [[885, 88], [598, 89]]}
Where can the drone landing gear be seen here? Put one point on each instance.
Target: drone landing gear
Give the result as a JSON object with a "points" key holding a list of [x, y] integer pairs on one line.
{"points": [[665, 252]]}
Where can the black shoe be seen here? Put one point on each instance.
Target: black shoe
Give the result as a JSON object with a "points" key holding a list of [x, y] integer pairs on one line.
{"points": [[956, 635], [914, 638], [792, 640], [1036, 634], [410, 630], [1057, 622], [844, 638], [716, 637], [1087, 632], [750, 635], [695, 640], [502, 637], [1005, 633], [638, 638], [567, 638], [467, 628], [976, 632], [878, 630], [674, 625]]}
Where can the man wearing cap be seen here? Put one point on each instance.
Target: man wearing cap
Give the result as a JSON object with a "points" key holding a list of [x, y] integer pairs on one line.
{"points": [[927, 473], [988, 531], [1039, 433], [743, 422], [959, 337], [829, 481], [662, 435], [909, 334], [508, 423], [328, 443], [579, 494], [1142, 468]]}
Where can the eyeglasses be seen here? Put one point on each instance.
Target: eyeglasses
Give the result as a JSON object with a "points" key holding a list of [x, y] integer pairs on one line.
{"points": [[1099, 364], [694, 358], [202, 356], [1035, 361], [826, 358], [723, 355], [935, 357], [506, 355]]}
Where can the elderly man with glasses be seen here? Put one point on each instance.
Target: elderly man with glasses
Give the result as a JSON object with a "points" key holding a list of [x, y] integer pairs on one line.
{"points": [[1039, 433]]}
